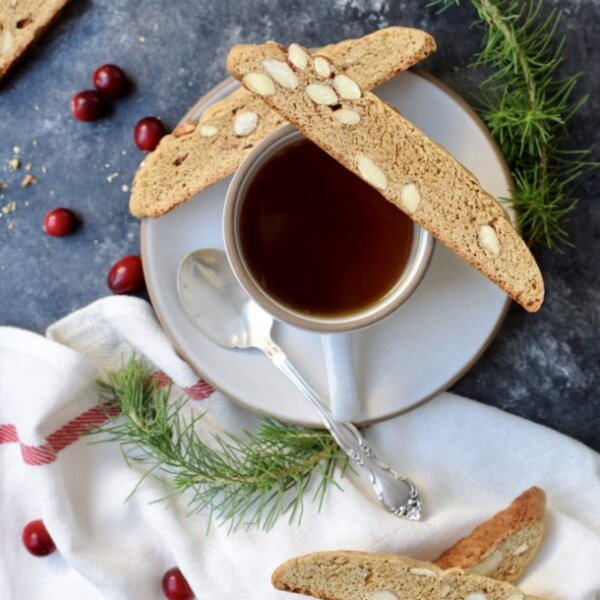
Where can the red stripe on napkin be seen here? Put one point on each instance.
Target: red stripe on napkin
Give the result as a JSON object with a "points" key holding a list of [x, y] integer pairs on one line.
{"points": [[70, 432], [8, 433], [160, 379], [64, 436], [199, 391], [75, 428]]}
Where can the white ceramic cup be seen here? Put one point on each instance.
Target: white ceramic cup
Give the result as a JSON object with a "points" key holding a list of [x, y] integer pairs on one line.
{"points": [[337, 343]]}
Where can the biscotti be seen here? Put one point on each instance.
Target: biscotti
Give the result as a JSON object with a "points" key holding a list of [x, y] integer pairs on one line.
{"points": [[376, 142], [21, 23], [504, 545], [367, 576], [200, 154]]}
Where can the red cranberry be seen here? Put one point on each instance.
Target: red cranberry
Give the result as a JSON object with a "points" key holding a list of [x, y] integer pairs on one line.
{"points": [[59, 222], [147, 133], [37, 540], [126, 275], [175, 585], [88, 106], [111, 81]]}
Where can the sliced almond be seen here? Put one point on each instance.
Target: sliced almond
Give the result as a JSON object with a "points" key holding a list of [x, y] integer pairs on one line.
{"points": [[297, 57], [208, 131], [347, 88], [422, 572], [520, 550], [245, 123], [281, 72], [184, 129], [445, 590], [383, 595], [6, 38], [322, 67], [321, 94], [259, 83], [516, 597], [370, 172], [346, 116], [476, 596], [351, 59], [489, 564], [488, 238], [410, 197]]}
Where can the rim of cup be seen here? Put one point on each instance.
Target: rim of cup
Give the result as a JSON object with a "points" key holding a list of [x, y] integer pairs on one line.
{"points": [[413, 273]]}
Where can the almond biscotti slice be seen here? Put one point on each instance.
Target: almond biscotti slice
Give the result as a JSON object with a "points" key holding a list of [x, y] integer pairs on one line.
{"points": [[367, 576], [21, 23], [376, 142], [200, 154], [504, 545]]}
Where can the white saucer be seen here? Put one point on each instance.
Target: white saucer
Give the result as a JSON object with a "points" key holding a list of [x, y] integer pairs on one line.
{"points": [[423, 348]]}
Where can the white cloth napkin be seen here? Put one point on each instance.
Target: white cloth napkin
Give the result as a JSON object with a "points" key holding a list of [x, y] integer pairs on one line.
{"points": [[469, 460]]}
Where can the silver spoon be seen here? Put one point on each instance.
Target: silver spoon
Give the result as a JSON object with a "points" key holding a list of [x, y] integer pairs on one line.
{"points": [[222, 310]]}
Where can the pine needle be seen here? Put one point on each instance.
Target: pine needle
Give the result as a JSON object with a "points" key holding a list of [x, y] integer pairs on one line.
{"points": [[246, 481], [527, 108]]}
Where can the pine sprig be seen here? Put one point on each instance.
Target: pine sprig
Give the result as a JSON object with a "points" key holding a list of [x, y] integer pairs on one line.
{"points": [[527, 107], [247, 481]]}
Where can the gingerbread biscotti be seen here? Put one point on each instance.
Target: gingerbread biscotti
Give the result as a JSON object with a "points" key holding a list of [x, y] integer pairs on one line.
{"points": [[21, 23], [367, 576], [199, 154], [376, 142], [504, 545]]}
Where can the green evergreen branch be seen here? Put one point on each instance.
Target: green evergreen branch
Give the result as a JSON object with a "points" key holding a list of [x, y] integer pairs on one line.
{"points": [[527, 108], [246, 481]]}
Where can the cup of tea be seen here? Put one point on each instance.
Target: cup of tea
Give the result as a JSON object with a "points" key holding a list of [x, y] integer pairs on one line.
{"points": [[317, 247]]}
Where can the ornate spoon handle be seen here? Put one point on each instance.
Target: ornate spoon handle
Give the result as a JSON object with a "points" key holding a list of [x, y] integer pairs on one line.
{"points": [[397, 493]]}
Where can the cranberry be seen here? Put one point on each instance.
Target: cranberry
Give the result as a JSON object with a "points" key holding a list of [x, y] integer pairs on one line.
{"points": [[147, 133], [126, 275], [59, 222], [111, 81], [175, 585], [88, 106], [37, 540]]}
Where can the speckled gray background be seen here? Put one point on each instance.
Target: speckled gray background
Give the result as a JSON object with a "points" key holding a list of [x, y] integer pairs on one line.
{"points": [[545, 367]]}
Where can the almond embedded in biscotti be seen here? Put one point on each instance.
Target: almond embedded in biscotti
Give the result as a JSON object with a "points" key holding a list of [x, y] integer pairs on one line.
{"points": [[520, 550], [281, 72], [410, 197], [259, 83], [383, 595], [422, 572], [491, 563], [347, 88], [297, 57], [516, 597], [245, 123], [6, 41], [207, 131], [370, 172], [320, 93], [476, 596], [322, 67], [488, 238], [184, 129], [346, 116], [445, 590]]}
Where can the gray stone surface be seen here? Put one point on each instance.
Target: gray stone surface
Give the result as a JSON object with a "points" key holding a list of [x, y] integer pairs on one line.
{"points": [[545, 367]]}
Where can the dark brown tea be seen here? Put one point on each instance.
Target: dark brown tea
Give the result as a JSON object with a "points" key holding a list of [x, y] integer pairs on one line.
{"points": [[317, 237]]}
